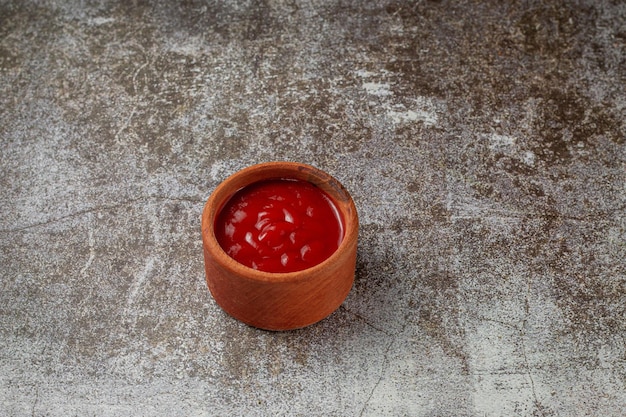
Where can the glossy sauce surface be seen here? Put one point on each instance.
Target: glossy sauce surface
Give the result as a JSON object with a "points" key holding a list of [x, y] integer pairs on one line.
{"points": [[279, 226]]}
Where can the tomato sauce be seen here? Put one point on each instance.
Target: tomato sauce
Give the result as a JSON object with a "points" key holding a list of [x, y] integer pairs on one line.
{"points": [[279, 225]]}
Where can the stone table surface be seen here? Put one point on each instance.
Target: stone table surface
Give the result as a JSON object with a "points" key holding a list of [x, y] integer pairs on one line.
{"points": [[484, 146]]}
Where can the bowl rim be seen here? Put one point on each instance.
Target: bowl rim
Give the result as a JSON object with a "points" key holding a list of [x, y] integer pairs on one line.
{"points": [[274, 170]]}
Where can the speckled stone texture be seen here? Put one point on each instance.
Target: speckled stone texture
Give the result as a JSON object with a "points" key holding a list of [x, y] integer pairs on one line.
{"points": [[483, 143]]}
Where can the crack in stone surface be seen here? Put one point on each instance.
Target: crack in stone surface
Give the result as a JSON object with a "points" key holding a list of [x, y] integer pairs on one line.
{"points": [[104, 207]]}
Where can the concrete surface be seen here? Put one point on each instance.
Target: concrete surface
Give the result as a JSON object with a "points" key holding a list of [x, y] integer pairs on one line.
{"points": [[483, 143]]}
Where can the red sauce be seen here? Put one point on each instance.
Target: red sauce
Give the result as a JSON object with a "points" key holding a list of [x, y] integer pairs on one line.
{"points": [[279, 226]]}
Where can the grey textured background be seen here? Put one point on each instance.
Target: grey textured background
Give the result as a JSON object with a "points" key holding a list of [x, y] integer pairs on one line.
{"points": [[483, 143]]}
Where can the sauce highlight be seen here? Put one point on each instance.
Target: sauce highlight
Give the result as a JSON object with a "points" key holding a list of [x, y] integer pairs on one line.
{"points": [[279, 225]]}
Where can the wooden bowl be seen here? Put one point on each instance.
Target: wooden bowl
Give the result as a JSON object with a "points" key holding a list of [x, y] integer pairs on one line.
{"points": [[280, 301]]}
